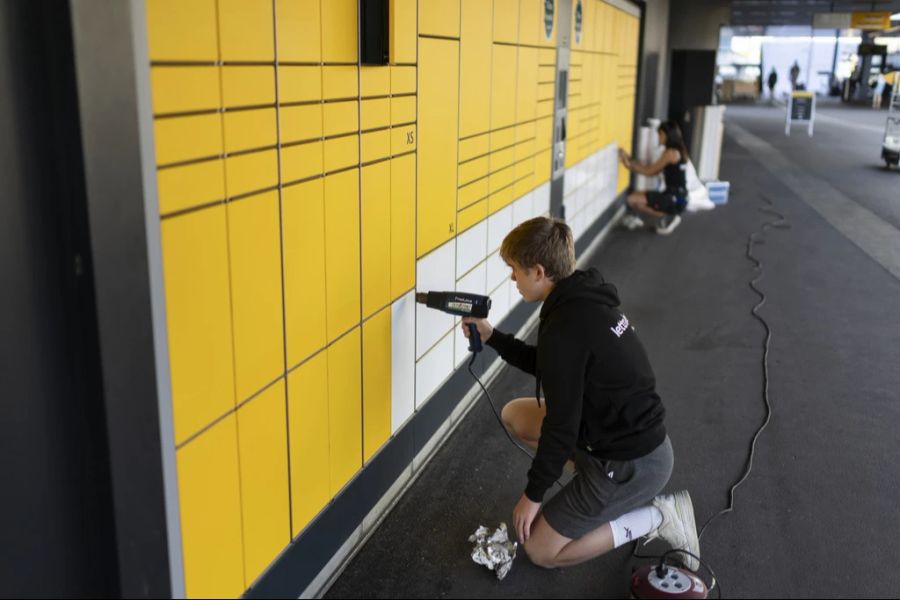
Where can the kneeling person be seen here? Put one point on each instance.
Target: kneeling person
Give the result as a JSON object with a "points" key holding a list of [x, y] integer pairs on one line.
{"points": [[601, 410], [665, 206]]}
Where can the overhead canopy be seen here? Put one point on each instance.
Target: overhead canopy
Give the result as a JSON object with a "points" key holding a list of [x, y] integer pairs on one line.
{"points": [[800, 12]]}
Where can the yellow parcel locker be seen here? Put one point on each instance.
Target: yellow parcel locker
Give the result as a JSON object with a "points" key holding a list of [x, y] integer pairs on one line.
{"points": [[301, 161], [210, 503], [198, 314], [185, 89], [472, 215], [506, 21], [474, 147], [262, 435], [341, 117], [438, 123], [531, 21], [246, 173], [245, 30], [300, 123], [255, 240], [339, 31], [503, 86], [190, 185], [375, 145], [344, 409], [309, 439], [342, 272], [250, 129], [247, 86], [403, 110], [526, 84], [376, 236], [186, 138], [475, 67], [473, 169], [403, 139], [403, 80], [375, 113], [303, 227], [341, 152], [182, 31], [376, 347], [374, 81], [299, 25], [473, 192], [439, 17], [402, 31], [403, 224], [340, 82], [299, 83]]}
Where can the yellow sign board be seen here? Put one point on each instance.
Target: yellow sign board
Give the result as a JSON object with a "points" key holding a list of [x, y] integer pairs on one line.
{"points": [[871, 20]]}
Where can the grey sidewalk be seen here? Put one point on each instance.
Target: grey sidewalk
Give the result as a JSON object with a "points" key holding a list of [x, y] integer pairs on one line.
{"points": [[817, 515]]}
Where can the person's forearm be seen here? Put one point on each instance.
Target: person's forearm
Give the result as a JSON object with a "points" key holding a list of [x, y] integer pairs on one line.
{"points": [[639, 168], [514, 351]]}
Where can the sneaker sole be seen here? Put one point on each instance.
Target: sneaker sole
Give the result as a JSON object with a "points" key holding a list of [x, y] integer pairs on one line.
{"points": [[685, 509], [670, 228]]}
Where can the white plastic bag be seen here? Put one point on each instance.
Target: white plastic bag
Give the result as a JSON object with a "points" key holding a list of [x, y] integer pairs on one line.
{"points": [[698, 198]]}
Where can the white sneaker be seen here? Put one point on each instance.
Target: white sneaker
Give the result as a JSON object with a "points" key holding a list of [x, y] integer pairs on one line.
{"points": [[631, 222], [668, 224], [678, 528]]}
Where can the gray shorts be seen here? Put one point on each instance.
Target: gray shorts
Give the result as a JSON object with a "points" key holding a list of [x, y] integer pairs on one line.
{"points": [[603, 490]]}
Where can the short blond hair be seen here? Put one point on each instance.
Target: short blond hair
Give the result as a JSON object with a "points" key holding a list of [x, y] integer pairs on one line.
{"points": [[541, 241]]}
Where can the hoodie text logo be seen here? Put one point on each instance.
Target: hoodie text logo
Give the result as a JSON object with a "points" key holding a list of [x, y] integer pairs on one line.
{"points": [[621, 327]]}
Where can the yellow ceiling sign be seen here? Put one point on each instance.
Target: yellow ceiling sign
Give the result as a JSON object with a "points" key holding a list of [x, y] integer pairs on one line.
{"points": [[871, 20]]}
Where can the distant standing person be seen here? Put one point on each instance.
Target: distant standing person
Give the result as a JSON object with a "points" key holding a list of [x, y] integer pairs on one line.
{"points": [[878, 91], [773, 79], [795, 74]]}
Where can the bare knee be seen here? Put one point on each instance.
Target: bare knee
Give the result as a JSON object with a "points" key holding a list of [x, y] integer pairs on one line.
{"points": [[514, 417], [508, 416], [539, 556]]}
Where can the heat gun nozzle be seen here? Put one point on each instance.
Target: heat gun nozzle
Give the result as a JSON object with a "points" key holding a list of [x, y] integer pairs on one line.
{"points": [[422, 297]]}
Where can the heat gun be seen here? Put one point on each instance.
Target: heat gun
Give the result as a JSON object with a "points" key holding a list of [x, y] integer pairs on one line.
{"points": [[460, 304]]}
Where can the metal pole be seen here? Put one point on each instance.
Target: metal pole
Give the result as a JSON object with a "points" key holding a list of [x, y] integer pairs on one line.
{"points": [[787, 118], [812, 115], [837, 41], [809, 80]]}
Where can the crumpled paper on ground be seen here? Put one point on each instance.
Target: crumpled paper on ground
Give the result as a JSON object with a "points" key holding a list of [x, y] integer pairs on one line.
{"points": [[494, 550]]}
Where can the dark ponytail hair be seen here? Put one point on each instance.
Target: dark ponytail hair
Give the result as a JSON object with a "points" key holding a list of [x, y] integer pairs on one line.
{"points": [[674, 139]]}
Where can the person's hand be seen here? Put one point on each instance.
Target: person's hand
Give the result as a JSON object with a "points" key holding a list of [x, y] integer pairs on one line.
{"points": [[485, 329], [523, 517], [625, 158]]}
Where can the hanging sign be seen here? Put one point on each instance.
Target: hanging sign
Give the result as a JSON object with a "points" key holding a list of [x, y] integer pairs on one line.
{"points": [[871, 20]]}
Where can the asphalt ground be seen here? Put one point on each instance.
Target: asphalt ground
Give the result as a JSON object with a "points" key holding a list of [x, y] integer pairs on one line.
{"points": [[817, 515]]}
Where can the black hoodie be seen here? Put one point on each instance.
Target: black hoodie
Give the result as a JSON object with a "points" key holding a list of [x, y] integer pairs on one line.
{"points": [[597, 380]]}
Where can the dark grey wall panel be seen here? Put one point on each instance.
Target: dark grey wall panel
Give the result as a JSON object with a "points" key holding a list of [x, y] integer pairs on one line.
{"points": [[55, 505], [113, 83]]}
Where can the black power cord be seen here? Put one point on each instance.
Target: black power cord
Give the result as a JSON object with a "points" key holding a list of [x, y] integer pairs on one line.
{"points": [[780, 223], [497, 414], [494, 410]]}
